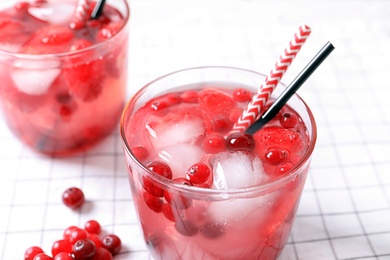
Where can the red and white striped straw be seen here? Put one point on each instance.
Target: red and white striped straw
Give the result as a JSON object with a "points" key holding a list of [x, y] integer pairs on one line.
{"points": [[256, 105], [82, 12]]}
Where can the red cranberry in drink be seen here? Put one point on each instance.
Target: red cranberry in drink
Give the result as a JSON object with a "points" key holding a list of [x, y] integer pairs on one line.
{"points": [[221, 124], [214, 143], [284, 167], [73, 197], [31, 252], [112, 243], [153, 202], [198, 173], [288, 120], [275, 155], [62, 245], [186, 227], [240, 142], [242, 95], [84, 249], [178, 201], [92, 226], [168, 212], [160, 168], [140, 152]]}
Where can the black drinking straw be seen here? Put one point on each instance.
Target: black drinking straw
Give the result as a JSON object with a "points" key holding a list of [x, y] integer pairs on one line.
{"points": [[291, 89], [97, 11]]}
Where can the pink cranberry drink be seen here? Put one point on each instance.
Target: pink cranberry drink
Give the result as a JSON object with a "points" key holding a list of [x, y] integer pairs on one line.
{"points": [[63, 80], [202, 192]]}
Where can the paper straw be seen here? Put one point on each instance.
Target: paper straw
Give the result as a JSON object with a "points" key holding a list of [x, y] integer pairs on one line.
{"points": [[256, 105], [82, 12], [277, 105]]}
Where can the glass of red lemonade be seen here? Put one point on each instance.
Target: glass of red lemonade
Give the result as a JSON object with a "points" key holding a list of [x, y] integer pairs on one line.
{"points": [[202, 191], [63, 74]]}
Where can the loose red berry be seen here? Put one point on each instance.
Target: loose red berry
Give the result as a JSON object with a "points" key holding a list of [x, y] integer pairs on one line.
{"points": [[92, 226], [214, 143], [95, 239], [242, 95], [102, 254], [240, 142], [32, 252], [73, 197], [63, 256], [84, 249], [60, 246], [112, 243], [288, 120], [77, 234], [198, 173], [68, 232], [275, 155], [42, 256]]}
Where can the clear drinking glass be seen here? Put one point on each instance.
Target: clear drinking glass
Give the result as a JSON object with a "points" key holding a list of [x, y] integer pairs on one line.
{"points": [[63, 89], [183, 221]]}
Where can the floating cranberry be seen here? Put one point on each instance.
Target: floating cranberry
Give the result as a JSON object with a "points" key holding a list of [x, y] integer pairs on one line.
{"points": [[62, 245], [84, 249], [212, 230], [92, 226], [112, 243], [102, 254], [275, 155], [198, 173], [221, 124], [178, 201], [284, 167], [140, 152], [186, 228], [31, 252], [63, 256], [42, 256], [168, 212], [240, 142], [161, 168], [153, 202], [73, 197], [214, 143], [288, 120], [242, 95]]}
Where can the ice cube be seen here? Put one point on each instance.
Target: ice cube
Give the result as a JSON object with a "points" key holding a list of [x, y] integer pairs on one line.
{"points": [[58, 13], [185, 131], [238, 169], [181, 157], [35, 77]]}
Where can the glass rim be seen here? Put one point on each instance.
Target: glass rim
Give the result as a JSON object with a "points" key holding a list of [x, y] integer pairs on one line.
{"points": [[259, 188], [69, 54]]}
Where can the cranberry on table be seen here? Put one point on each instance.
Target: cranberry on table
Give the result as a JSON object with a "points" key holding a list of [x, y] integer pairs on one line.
{"points": [[92, 226], [42, 256], [77, 234], [112, 243], [73, 197], [84, 249], [63, 256], [62, 245], [102, 254], [31, 252]]}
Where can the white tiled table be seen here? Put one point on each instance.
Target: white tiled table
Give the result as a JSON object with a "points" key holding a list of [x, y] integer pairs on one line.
{"points": [[345, 208]]}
